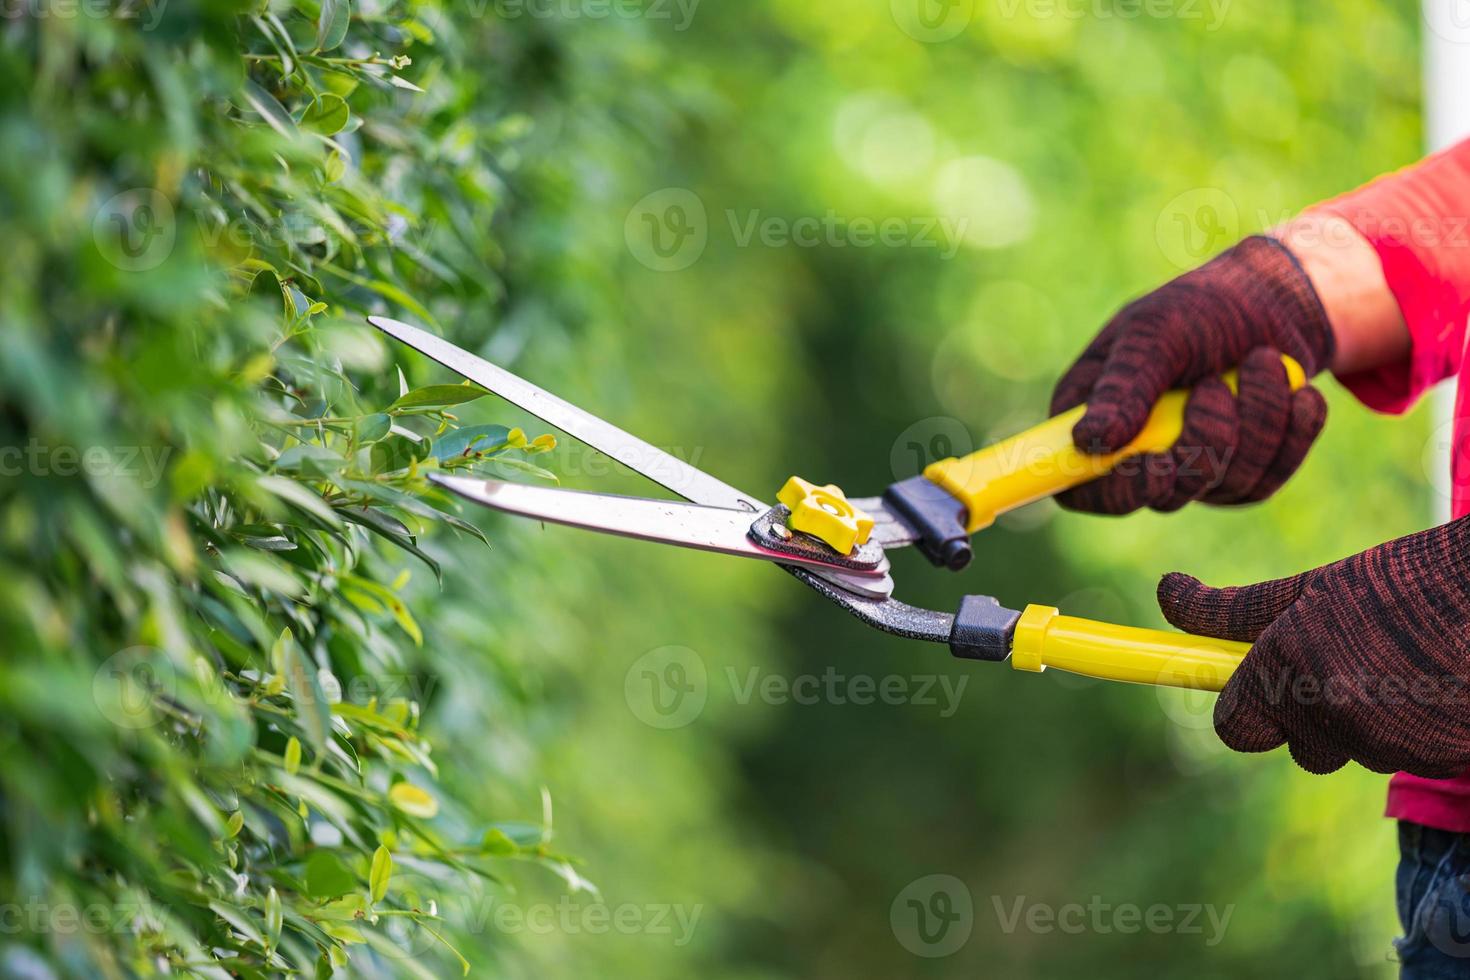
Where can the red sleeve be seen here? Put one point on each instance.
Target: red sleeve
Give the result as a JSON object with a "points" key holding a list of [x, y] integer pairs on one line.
{"points": [[1418, 221]]}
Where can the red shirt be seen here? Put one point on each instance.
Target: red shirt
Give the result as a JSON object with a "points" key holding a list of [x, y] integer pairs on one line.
{"points": [[1418, 220]]}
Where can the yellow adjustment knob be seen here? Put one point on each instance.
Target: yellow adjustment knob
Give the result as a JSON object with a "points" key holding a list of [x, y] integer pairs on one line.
{"points": [[825, 513]]}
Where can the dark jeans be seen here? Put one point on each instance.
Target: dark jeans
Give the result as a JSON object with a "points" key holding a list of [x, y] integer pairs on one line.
{"points": [[1433, 885]]}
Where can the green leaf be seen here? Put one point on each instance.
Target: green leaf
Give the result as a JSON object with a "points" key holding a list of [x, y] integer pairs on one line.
{"points": [[371, 428], [391, 529], [373, 597], [413, 801], [326, 115], [311, 459], [522, 466], [292, 757], [308, 701], [234, 824], [497, 843], [331, 25], [480, 438], [382, 870], [273, 918], [262, 571], [327, 876], [279, 651], [335, 166], [281, 41], [300, 497], [239, 921], [397, 452], [464, 964], [270, 108], [343, 933], [438, 396]]}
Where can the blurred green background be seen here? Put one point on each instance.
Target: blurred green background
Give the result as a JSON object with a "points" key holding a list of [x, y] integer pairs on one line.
{"points": [[834, 239], [1092, 156]]}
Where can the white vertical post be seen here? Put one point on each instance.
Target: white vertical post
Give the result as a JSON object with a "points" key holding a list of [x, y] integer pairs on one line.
{"points": [[1446, 121], [1446, 72]]}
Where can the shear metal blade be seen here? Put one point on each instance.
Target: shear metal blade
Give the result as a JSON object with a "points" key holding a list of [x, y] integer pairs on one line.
{"points": [[668, 471], [674, 474], [664, 521]]}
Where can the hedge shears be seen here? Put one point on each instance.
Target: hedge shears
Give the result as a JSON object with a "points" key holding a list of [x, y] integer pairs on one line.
{"points": [[837, 545]]}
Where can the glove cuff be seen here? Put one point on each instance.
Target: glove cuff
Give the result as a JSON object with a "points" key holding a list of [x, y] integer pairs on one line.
{"points": [[1271, 278]]}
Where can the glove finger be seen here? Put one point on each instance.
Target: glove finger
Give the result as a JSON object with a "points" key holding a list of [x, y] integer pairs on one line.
{"points": [[1317, 716], [1264, 408], [1142, 481], [1206, 444], [1240, 612], [1316, 755], [1077, 383], [1073, 387], [1308, 415], [1140, 366], [1243, 719]]}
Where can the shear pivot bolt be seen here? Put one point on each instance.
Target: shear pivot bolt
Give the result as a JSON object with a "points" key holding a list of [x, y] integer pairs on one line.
{"points": [[825, 513]]}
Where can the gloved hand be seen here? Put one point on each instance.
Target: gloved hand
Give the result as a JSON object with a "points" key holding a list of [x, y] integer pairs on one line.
{"points": [[1242, 309], [1366, 659]]}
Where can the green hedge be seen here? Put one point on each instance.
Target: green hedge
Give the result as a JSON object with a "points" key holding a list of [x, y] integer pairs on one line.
{"points": [[215, 491]]}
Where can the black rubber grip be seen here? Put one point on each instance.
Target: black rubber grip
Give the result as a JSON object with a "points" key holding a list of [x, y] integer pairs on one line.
{"points": [[937, 516], [983, 629]]}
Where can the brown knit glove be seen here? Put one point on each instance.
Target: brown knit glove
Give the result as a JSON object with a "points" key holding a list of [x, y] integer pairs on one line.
{"points": [[1365, 659], [1243, 309]]}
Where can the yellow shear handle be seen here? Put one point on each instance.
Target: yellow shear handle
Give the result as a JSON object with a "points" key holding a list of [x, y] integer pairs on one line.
{"points": [[1043, 461], [1045, 639]]}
